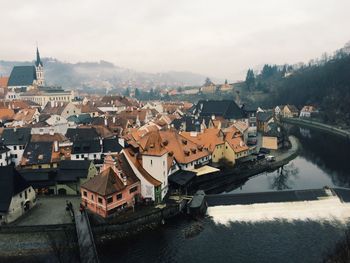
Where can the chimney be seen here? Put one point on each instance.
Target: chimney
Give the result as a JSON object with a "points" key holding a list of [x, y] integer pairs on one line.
{"points": [[56, 104], [37, 118], [125, 182], [61, 103], [15, 129], [113, 119], [106, 122], [52, 103], [55, 144], [51, 132]]}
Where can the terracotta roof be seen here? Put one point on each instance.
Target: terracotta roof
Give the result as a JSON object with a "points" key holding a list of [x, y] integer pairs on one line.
{"points": [[241, 126], [25, 115], [184, 150], [234, 139], [6, 114], [209, 138], [308, 108], [58, 107], [89, 108], [151, 144], [3, 82], [105, 183], [48, 138]]}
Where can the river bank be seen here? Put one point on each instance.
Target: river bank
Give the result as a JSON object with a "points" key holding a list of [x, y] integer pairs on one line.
{"points": [[319, 126]]}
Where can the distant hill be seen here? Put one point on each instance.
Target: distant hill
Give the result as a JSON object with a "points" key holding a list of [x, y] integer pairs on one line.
{"points": [[106, 75]]}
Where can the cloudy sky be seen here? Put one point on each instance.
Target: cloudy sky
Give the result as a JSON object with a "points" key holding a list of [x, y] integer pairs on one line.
{"points": [[219, 38]]}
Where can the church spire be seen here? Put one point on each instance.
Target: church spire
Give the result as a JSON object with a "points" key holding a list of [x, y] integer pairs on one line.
{"points": [[38, 60]]}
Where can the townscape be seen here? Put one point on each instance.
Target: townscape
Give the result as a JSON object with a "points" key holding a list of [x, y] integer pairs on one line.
{"points": [[117, 152]]}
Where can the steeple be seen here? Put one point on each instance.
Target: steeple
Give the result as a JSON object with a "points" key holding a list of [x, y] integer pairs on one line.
{"points": [[38, 60]]}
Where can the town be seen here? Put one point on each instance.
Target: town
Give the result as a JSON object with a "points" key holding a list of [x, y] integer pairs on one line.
{"points": [[114, 160]]}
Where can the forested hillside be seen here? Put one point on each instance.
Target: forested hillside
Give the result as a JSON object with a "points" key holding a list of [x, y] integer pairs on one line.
{"points": [[325, 84]]}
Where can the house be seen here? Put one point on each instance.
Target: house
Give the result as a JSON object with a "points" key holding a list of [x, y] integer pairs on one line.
{"points": [[111, 146], [82, 134], [5, 156], [24, 117], [290, 111], [40, 155], [263, 119], [115, 188], [308, 111], [193, 123], [251, 114], [243, 129], [16, 195], [211, 139], [274, 138], [51, 124], [87, 149], [22, 78], [16, 139], [227, 109], [80, 119], [235, 148], [90, 108], [278, 110], [72, 174], [61, 108], [187, 154]]}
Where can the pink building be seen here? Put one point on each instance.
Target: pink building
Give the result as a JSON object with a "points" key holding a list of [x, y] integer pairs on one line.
{"points": [[113, 189]]}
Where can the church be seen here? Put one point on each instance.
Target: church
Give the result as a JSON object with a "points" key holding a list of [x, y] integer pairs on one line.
{"points": [[25, 78]]}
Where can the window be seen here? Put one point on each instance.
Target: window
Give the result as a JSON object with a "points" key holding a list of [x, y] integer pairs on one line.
{"points": [[85, 193], [20, 195], [82, 155], [99, 200], [29, 190], [132, 190], [119, 196], [92, 197], [77, 156], [151, 162], [109, 199], [94, 156], [163, 163], [15, 147]]}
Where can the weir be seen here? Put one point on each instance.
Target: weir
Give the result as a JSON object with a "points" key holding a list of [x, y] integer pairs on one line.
{"points": [[87, 248]]}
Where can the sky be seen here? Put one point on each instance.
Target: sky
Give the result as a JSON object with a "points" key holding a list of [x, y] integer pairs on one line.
{"points": [[219, 38]]}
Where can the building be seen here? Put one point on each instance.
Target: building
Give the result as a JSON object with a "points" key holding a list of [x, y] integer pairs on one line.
{"points": [[308, 111], [263, 119], [26, 78], [61, 108], [5, 156], [40, 155], [115, 188], [290, 111], [87, 150], [235, 148], [16, 139], [43, 95], [16, 195], [227, 109]]}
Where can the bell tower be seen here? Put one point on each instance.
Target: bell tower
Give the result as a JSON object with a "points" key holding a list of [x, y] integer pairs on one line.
{"points": [[39, 69]]}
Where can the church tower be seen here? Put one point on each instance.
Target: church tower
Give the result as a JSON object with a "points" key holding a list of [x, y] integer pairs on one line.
{"points": [[39, 69]]}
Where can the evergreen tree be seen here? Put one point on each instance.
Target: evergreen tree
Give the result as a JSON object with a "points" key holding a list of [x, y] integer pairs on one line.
{"points": [[250, 79]]}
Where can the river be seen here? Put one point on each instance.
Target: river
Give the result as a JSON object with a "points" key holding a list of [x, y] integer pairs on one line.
{"points": [[323, 160]]}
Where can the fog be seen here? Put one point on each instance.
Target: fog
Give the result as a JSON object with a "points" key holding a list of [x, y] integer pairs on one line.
{"points": [[219, 38]]}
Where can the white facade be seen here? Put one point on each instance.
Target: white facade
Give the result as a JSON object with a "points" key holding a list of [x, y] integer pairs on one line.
{"points": [[86, 156], [42, 98], [157, 167], [190, 166], [147, 189], [5, 158], [16, 153], [20, 203]]}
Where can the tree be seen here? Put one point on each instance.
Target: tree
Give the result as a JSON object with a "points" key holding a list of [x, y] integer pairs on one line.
{"points": [[208, 82], [137, 93], [250, 79], [127, 92]]}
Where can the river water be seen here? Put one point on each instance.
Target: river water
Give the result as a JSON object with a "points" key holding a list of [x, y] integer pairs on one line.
{"points": [[323, 160]]}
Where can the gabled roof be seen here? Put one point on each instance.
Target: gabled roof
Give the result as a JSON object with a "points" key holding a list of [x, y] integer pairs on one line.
{"points": [[80, 119], [22, 76], [225, 108], [6, 114], [111, 145], [56, 107], [11, 183], [151, 144], [37, 153], [264, 116], [86, 146], [209, 138], [16, 136], [235, 141], [82, 134], [292, 108], [25, 115], [72, 170]]}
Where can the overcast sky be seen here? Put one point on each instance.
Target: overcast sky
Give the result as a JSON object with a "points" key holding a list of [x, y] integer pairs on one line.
{"points": [[219, 38]]}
